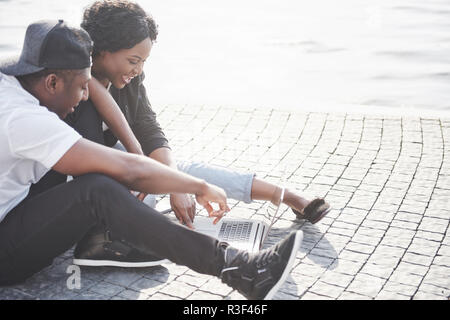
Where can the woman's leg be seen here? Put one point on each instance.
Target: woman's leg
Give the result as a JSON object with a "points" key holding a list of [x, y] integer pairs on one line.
{"points": [[240, 186], [237, 185]]}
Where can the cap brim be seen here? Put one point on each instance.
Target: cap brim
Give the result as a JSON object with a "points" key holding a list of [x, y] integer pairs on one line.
{"points": [[13, 66]]}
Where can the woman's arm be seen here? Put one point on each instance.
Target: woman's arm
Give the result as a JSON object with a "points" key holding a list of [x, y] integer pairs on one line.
{"points": [[113, 116]]}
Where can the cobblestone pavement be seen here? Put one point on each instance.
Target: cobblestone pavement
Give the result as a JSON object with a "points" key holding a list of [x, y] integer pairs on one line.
{"points": [[386, 177]]}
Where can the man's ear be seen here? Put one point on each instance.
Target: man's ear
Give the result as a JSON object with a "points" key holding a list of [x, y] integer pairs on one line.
{"points": [[53, 83]]}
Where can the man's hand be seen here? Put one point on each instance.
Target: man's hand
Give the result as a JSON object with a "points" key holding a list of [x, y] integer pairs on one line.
{"points": [[212, 193], [184, 207], [141, 196]]}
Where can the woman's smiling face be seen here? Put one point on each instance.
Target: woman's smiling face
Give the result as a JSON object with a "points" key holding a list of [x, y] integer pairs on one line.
{"points": [[122, 66]]}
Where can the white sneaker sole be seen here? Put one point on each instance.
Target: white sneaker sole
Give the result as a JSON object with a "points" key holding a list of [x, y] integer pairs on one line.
{"points": [[112, 263], [298, 240]]}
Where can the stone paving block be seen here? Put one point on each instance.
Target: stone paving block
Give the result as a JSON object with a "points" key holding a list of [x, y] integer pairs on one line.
{"points": [[178, 289], [291, 287], [162, 296], [107, 289], [336, 278], [352, 215], [396, 241], [320, 260], [36, 284], [353, 256], [307, 269], [313, 296], [391, 251], [387, 295], [436, 212], [421, 295], [347, 267], [377, 270], [424, 247], [446, 240], [234, 295], [364, 239], [60, 291], [435, 290], [14, 294], [129, 294], [404, 225], [122, 277], [348, 295], [442, 261], [196, 281], [419, 259], [372, 224], [215, 286], [165, 273], [88, 295], [408, 217], [360, 248], [406, 278], [384, 260], [282, 295], [325, 289], [202, 295], [366, 285], [387, 204], [406, 267], [437, 277], [368, 231], [301, 280], [434, 224], [348, 182], [400, 288], [147, 286]]}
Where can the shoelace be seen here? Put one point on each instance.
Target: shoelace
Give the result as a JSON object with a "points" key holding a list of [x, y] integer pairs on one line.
{"points": [[266, 257]]}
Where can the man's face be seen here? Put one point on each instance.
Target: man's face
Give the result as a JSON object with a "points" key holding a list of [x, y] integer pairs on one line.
{"points": [[70, 93]]}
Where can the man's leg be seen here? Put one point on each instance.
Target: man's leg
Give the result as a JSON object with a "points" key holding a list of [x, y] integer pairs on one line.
{"points": [[44, 226]]}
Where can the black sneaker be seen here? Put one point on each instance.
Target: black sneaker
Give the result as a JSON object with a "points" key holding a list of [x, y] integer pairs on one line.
{"points": [[97, 249], [259, 275], [314, 211]]}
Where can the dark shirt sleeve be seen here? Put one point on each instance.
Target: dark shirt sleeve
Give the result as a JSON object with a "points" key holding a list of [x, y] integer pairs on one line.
{"points": [[134, 103]]}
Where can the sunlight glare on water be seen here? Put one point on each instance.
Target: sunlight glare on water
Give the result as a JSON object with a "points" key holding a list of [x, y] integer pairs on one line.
{"points": [[302, 55]]}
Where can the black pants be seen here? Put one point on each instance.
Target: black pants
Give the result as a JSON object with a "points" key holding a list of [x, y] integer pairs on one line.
{"points": [[56, 215]]}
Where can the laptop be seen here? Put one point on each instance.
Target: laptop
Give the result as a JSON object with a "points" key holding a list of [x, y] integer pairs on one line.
{"points": [[245, 234]]}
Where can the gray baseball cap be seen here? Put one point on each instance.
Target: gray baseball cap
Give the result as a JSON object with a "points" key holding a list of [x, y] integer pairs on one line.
{"points": [[50, 44]]}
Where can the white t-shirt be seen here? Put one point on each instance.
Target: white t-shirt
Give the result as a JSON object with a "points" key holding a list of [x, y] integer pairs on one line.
{"points": [[32, 140]]}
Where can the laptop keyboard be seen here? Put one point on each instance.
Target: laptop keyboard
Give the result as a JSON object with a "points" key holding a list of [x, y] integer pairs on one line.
{"points": [[235, 231]]}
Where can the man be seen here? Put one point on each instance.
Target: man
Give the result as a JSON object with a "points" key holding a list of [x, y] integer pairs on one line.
{"points": [[40, 88]]}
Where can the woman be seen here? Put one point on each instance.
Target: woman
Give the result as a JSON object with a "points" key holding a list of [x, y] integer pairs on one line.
{"points": [[123, 35]]}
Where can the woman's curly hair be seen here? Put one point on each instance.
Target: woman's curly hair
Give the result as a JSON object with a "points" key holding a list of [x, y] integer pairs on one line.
{"points": [[117, 24]]}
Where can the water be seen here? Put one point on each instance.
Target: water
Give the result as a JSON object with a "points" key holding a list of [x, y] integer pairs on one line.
{"points": [[291, 54]]}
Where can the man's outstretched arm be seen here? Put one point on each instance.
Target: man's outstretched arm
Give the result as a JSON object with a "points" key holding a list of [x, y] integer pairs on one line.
{"points": [[138, 173]]}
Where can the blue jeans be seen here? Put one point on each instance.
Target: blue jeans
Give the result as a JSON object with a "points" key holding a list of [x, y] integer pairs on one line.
{"points": [[237, 185]]}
